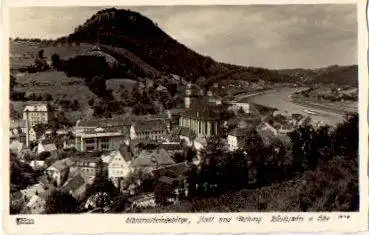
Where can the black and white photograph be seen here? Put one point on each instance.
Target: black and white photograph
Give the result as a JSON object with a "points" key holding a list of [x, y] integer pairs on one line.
{"points": [[183, 109]]}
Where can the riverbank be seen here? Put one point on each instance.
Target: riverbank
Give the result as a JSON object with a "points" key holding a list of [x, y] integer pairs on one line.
{"points": [[334, 108]]}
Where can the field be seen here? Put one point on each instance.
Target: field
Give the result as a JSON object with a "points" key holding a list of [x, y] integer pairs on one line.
{"points": [[23, 54], [58, 85]]}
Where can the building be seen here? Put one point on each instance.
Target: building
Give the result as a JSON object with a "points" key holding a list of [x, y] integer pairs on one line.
{"points": [[193, 93], [120, 123], [58, 171], [36, 132], [150, 129], [99, 139], [201, 118], [75, 186], [37, 114], [119, 166], [235, 136], [149, 160], [47, 147], [88, 166], [200, 143]]}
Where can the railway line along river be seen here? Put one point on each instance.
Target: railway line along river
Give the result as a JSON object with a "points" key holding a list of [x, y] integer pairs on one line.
{"points": [[279, 99]]}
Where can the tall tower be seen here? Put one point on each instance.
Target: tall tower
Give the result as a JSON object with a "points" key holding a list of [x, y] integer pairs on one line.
{"points": [[191, 95]]}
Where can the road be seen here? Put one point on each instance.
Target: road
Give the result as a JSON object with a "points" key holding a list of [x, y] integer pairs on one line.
{"points": [[279, 99]]}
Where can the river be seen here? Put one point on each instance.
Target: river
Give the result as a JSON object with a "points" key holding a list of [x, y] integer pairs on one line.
{"points": [[280, 99]]}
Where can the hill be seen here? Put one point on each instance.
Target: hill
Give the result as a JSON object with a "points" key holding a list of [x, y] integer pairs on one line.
{"points": [[339, 75], [143, 38]]}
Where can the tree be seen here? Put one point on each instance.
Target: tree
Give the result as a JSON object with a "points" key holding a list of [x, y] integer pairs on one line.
{"points": [[346, 136], [213, 159], [301, 146], [56, 61], [252, 145], [178, 157], [47, 97], [172, 89], [21, 174], [101, 184], [60, 202], [277, 163], [333, 186], [162, 193]]}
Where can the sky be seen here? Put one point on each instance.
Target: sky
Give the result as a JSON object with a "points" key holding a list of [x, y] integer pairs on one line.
{"points": [[279, 36]]}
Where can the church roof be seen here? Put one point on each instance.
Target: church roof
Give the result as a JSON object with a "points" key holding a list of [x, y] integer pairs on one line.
{"points": [[201, 110]]}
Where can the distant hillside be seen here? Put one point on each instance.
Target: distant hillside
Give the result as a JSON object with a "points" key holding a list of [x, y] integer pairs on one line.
{"points": [[340, 75], [140, 36]]}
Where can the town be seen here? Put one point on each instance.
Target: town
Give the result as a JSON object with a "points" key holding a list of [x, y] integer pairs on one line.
{"points": [[158, 150]]}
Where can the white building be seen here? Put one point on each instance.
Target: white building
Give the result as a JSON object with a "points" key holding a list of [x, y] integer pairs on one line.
{"points": [[235, 137], [119, 166], [37, 114], [59, 170]]}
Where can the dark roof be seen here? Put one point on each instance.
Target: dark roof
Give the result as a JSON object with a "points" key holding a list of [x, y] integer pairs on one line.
{"points": [[201, 110], [167, 180], [151, 125], [62, 164], [155, 157], [126, 152], [171, 147], [43, 180], [178, 169], [74, 183], [184, 131]]}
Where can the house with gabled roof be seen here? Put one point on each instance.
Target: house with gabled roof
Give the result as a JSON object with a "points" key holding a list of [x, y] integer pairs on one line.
{"points": [[149, 160], [46, 147], [36, 133], [59, 170], [75, 186], [119, 166]]}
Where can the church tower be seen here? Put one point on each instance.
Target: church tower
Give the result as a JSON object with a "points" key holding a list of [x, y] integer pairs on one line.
{"points": [[191, 95]]}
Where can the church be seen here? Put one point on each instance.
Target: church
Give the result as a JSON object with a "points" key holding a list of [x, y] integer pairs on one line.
{"points": [[198, 115]]}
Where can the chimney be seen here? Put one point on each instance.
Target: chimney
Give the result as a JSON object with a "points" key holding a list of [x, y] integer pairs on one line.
{"points": [[27, 129]]}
